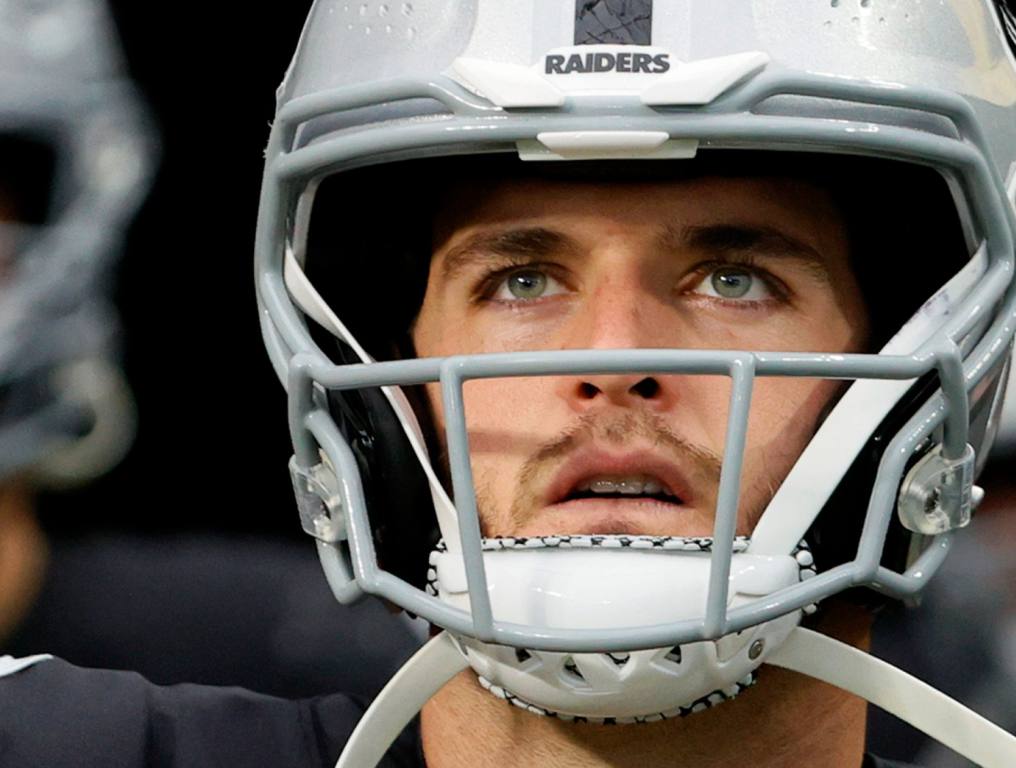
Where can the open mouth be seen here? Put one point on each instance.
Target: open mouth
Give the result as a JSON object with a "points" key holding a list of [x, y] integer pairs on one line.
{"points": [[641, 491], [624, 488]]}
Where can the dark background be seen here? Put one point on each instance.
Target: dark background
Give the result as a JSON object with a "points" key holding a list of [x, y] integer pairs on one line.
{"points": [[212, 444]]}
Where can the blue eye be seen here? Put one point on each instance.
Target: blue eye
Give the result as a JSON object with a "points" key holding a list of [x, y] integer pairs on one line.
{"points": [[734, 283], [526, 285], [731, 284]]}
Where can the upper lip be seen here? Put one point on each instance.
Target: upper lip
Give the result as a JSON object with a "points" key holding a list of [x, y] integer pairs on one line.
{"points": [[588, 463]]}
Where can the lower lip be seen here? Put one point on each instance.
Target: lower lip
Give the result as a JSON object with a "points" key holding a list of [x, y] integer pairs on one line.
{"points": [[615, 504], [639, 516]]}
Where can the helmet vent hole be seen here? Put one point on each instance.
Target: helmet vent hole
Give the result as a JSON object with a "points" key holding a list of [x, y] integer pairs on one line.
{"points": [[674, 656], [522, 655], [620, 659], [572, 675]]}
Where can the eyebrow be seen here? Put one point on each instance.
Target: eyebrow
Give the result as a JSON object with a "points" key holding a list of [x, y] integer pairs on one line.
{"points": [[746, 239], [536, 242], [493, 245]]}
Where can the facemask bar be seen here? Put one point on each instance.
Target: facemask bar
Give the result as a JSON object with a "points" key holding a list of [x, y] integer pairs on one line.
{"points": [[725, 124], [309, 369], [947, 409]]}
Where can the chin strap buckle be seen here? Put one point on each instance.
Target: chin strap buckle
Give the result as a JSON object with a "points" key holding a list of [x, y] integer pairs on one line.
{"points": [[938, 494], [317, 498]]}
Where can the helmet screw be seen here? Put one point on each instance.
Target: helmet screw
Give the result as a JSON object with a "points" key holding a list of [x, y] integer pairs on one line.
{"points": [[756, 649]]}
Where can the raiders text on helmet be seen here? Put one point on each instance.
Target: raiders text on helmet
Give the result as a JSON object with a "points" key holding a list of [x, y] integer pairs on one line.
{"points": [[561, 64]]}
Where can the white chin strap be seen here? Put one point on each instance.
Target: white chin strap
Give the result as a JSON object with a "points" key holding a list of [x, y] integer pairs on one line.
{"points": [[807, 652], [898, 693], [400, 700]]}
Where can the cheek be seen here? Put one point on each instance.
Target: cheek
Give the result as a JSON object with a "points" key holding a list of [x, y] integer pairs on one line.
{"points": [[511, 417], [784, 416], [831, 322], [447, 328], [700, 413], [433, 390], [508, 421]]}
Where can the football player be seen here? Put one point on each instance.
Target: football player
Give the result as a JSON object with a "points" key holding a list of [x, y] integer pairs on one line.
{"points": [[702, 365], [640, 347]]}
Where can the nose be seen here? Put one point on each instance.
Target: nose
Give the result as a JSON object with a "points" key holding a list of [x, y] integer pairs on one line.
{"points": [[623, 314], [624, 390], [620, 390]]}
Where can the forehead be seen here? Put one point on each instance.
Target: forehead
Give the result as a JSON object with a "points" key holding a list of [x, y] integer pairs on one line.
{"points": [[803, 208]]}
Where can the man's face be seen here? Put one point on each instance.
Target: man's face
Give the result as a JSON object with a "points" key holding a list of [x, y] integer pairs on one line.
{"points": [[711, 263]]}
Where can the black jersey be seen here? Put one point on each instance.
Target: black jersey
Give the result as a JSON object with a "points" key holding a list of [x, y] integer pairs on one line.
{"points": [[57, 715]]}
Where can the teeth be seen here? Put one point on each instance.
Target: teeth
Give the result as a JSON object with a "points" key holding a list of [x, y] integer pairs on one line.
{"points": [[652, 487], [640, 485], [615, 486]]}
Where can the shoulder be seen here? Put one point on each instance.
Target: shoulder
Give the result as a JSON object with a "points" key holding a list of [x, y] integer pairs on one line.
{"points": [[55, 714]]}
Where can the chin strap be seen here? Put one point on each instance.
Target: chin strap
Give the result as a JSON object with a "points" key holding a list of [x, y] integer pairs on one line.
{"points": [[405, 694], [931, 711], [804, 651]]}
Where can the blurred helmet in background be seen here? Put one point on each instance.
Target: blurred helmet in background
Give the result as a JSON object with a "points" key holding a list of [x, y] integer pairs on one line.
{"points": [[76, 157]]}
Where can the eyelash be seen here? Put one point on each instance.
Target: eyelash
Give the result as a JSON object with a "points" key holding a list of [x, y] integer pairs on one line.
{"points": [[781, 293], [492, 281]]}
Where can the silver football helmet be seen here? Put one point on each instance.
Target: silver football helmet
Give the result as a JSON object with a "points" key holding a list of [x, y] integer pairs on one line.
{"points": [[597, 627], [77, 150]]}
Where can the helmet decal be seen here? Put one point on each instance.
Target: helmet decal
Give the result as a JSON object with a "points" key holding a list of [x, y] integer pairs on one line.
{"points": [[621, 22]]}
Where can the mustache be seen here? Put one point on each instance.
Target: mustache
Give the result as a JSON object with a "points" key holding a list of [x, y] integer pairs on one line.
{"points": [[619, 431]]}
